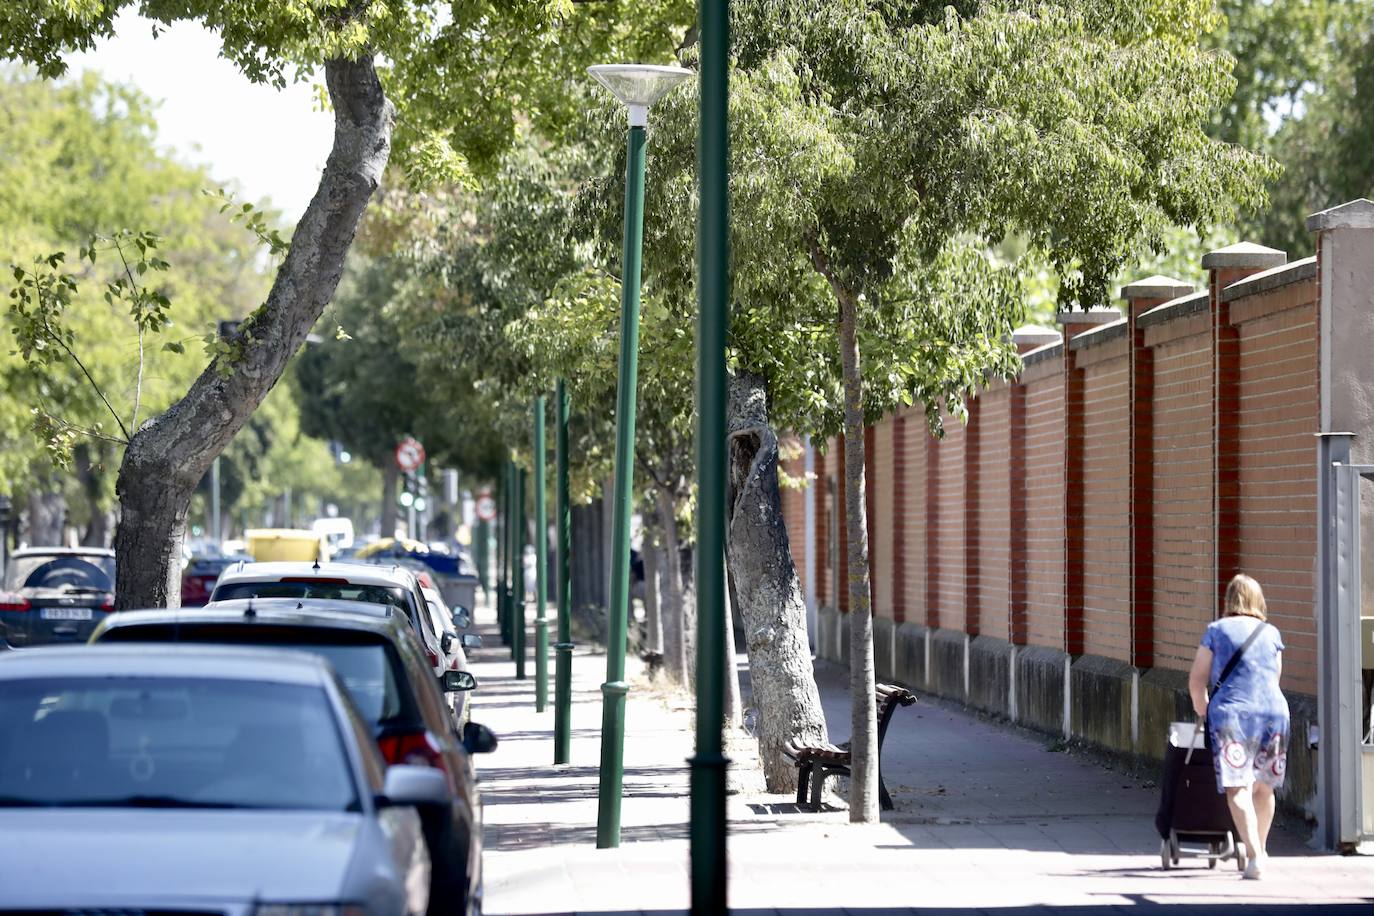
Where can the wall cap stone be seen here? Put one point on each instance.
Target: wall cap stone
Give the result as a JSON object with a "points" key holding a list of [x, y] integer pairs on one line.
{"points": [[1177, 308], [1271, 279], [1245, 255], [1100, 314], [1033, 335], [1357, 214], [1156, 287], [1099, 335], [1040, 354]]}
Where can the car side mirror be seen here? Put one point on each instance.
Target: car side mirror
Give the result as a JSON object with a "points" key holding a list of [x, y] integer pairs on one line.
{"points": [[446, 642], [478, 739], [462, 617], [471, 641], [457, 681], [407, 786]]}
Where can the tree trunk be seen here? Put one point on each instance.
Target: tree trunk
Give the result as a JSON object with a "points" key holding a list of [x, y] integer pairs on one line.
{"points": [[863, 783], [670, 580], [767, 588], [169, 454], [391, 476], [734, 707], [653, 611], [47, 512]]}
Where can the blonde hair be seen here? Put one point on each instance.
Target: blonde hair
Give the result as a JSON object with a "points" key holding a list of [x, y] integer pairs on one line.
{"points": [[1244, 598]]}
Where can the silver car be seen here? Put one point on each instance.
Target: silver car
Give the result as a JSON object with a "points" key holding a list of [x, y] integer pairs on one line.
{"points": [[200, 778]]}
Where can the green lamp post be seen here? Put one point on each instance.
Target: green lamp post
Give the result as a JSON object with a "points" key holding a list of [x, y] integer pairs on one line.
{"points": [[541, 560], [637, 86], [708, 821], [562, 675]]}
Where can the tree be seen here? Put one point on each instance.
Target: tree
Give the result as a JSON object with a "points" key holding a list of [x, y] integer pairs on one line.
{"points": [[455, 76]]}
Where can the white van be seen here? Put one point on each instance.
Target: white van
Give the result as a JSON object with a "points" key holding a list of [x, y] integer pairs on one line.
{"points": [[338, 532]]}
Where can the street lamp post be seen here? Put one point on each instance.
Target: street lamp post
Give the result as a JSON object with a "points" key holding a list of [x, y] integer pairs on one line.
{"points": [[708, 823], [638, 87], [503, 560], [518, 570], [541, 560], [562, 675]]}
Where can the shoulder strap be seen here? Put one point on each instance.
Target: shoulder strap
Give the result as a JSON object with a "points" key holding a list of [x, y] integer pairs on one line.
{"points": [[1235, 659]]}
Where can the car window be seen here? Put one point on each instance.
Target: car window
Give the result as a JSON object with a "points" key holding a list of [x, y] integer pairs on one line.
{"points": [[62, 571], [393, 595], [436, 617], [164, 742], [368, 665]]}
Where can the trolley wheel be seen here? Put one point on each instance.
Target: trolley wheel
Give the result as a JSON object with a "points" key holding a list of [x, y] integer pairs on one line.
{"points": [[1214, 850], [1240, 856], [1164, 854], [1174, 851]]}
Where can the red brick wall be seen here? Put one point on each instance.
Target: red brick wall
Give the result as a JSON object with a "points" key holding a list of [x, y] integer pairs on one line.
{"points": [[915, 436], [948, 567], [991, 512], [1106, 501], [1182, 492], [1044, 452], [1277, 505], [880, 533], [794, 502]]}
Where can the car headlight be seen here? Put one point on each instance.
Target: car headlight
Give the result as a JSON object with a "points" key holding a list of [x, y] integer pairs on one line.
{"points": [[309, 909]]}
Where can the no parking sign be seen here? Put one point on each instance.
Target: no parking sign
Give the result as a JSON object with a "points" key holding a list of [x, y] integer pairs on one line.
{"points": [[410, 454]]}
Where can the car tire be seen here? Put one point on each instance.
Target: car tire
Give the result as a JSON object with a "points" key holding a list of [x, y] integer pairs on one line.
{"points": [[448, 885]]}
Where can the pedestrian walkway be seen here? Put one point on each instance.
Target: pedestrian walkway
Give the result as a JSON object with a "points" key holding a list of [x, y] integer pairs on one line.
{"points": [[987, 820]]}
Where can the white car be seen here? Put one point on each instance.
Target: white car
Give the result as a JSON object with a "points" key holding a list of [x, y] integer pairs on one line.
{"points": [[390, 585], [180, 777]]}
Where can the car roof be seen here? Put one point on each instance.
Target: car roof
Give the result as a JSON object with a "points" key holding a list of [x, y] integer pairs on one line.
{"points": [[62, 551], [353, 573], [301, 612], [182, 660]]}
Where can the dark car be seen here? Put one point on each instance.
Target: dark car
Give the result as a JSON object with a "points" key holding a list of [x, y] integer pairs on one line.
{"points": [[384, 668], [201, 573], [56, 594]]}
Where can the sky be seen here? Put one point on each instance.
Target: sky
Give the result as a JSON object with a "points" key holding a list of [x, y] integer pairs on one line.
{"points": [[271, 143]]}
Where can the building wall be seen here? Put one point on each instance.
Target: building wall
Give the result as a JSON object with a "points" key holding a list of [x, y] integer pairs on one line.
{"points": [[1044, 457], [882, 530], [988, 531]]}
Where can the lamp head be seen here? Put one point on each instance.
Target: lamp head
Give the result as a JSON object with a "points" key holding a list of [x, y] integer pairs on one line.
{"points": [[638, 86]]}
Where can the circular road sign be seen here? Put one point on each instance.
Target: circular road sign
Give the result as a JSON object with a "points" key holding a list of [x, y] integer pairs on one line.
{"points": [[486, 507], [410, 454]]}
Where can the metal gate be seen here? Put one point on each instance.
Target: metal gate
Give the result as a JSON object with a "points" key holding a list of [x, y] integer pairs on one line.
{"points": [[1346, 655]]}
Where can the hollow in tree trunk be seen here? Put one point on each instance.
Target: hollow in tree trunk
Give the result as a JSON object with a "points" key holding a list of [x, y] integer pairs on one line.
{"points": [[767, 589], [863, 783], [168, 455]]}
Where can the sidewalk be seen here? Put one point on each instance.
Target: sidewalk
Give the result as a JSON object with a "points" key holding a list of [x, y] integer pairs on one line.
{"points": [[986, 820]]}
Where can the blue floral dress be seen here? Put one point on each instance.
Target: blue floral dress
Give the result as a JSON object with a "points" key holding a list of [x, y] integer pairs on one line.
{"points": [[1248, 717]]}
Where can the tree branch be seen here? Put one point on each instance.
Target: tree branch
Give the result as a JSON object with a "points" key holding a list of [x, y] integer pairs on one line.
{"points": [[90, 378]]}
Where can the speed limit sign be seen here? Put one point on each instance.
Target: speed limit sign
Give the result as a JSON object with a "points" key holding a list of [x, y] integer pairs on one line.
{"points": [[410, 454], [486, 507]]}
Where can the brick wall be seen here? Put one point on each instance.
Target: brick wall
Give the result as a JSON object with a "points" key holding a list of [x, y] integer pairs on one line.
{"points": [[989, 531], [1044, 455], [881, 529]]}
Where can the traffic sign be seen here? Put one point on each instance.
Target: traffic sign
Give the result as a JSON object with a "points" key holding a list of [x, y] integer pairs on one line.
{"points": [[486, 507], [410, 454]]}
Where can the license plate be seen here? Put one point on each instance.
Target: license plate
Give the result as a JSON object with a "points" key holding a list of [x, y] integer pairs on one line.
{"points": [[66, 613]]}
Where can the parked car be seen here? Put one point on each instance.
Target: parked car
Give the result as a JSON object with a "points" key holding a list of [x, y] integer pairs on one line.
{"points": [[202, 572], [383, 666], [149, 778], [387, 585], [56, 594], [453, 643]]}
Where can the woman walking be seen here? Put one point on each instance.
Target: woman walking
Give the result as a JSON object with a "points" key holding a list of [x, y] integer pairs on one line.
{"points": [[1234, 683]]}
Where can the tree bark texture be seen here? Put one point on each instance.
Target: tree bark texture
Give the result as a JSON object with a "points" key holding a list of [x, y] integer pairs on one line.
{"points": [[734, 706], [767, 588], [670, 592], [169, 454], [863, 784]]}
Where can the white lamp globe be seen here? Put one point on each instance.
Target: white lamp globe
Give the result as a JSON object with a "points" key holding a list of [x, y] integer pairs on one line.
{"points": [[638, 86]]}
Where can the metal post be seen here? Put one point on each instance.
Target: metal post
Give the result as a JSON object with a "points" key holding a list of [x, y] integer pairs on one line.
{"points": [[503, 554], [518, 569], [216, 532], [614, 690], [541, 560], [480, 547], [562, 675], [708, 824]]}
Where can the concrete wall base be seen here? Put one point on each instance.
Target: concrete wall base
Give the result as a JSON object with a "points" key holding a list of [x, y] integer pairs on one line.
{"points": [[948, 658], [912, 640], [884, 631], [989, 675]]}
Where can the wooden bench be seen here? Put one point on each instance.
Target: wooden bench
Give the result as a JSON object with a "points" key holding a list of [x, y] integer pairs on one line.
{"points": [[814, 762]]}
